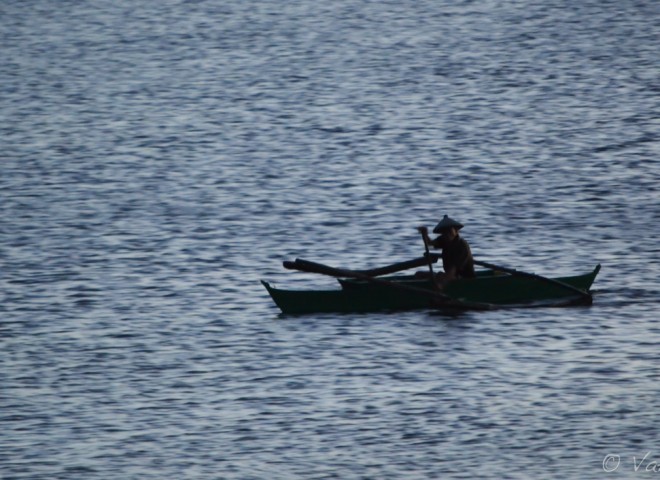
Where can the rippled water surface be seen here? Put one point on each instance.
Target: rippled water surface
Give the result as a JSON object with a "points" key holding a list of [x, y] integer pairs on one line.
{"points": [[159, 158]]}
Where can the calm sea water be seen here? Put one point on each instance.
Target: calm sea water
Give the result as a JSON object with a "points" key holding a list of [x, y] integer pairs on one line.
{"points": [[160, 157]]}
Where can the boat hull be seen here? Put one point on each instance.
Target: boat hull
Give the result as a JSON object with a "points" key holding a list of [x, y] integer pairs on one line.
{"points": [[486, 289]]}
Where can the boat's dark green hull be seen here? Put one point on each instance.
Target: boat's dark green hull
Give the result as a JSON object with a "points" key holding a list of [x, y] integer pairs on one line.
{"points": [[486, 289]]}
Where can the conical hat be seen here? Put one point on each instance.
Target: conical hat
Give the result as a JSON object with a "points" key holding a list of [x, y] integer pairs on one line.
{"points": [[447, 222]]}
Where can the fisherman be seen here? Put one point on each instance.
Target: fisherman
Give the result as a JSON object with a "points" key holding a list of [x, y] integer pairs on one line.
{"points": [[457, 258]]}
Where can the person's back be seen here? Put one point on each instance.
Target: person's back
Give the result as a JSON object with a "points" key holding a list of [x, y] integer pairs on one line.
{"points": [[457, 257]]}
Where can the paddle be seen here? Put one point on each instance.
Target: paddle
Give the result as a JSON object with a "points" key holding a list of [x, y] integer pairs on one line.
{"points": [[425, 237], [434, 296], [585, 295]]}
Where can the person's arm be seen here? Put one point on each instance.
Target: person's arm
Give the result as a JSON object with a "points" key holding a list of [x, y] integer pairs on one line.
{"points": [[425, 234], [436, 243]]}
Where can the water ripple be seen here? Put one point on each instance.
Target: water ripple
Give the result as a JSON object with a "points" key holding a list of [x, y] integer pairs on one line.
{"points": [[160, 158]]}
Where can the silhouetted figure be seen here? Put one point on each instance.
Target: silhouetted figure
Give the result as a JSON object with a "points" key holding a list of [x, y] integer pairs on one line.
{"points": [[457, 258]]}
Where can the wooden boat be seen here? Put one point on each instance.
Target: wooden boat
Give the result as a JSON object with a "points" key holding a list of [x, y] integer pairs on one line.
{"points": [[490, 289]]}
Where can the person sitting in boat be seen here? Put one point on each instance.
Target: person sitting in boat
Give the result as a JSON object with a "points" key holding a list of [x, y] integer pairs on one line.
{"points": [[457, 258]]}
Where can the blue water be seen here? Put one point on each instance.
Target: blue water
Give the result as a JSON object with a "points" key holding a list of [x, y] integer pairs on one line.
{"points": [[159, 158]]}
